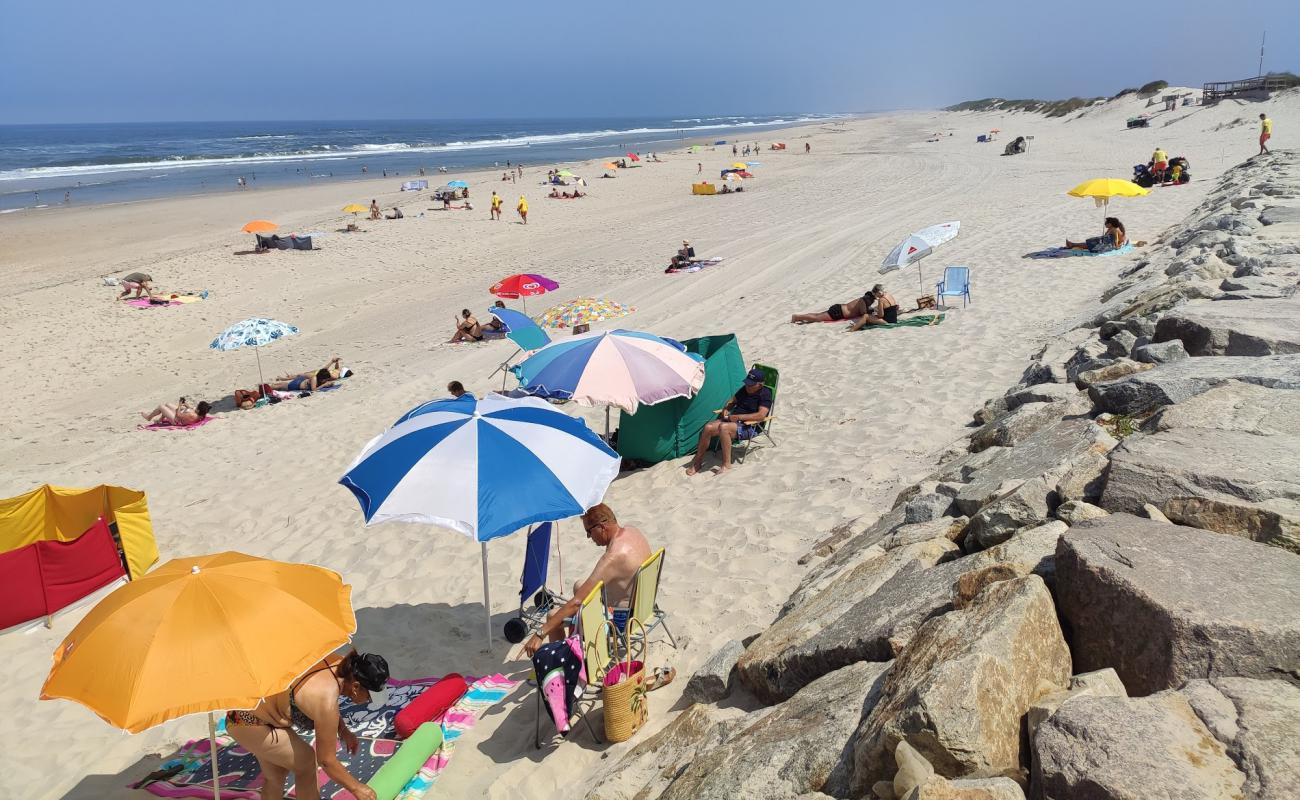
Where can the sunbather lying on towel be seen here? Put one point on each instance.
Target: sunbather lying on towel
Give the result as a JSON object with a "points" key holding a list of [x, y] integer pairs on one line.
{"points": [[468, 329], [885, 311], [180, 413], [857, 307], [741, 418], [309, 381], [1113, 238]]}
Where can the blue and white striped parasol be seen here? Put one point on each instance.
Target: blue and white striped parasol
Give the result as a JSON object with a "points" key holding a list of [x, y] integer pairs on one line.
{"points": [[485, 468], [254, 332]]}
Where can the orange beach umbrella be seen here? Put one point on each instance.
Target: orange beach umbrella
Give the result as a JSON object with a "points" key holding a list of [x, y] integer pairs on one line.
{"points": [[260, 226]]}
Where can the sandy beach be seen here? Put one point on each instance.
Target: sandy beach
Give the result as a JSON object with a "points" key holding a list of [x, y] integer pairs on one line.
{"points": [[860, 415]]}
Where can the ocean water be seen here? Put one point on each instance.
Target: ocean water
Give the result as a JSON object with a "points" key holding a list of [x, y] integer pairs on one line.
{"points": [[101, 163]]}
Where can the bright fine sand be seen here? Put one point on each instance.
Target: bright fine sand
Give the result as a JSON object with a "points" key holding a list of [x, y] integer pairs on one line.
{"points": [[859, 415]]}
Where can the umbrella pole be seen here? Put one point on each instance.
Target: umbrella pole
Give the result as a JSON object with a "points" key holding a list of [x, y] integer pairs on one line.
{"points": [[487, 597], [606, 424], [260, 379], [212, 752]]}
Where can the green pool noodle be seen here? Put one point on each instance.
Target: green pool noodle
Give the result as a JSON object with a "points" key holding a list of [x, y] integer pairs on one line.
{"points": [[396, 771]]}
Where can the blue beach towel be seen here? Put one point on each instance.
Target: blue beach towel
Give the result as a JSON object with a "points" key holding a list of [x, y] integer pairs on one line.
{"points": [[1061, 252]]}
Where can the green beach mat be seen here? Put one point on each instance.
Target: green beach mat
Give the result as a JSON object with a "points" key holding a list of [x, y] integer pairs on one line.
{"points": [[919, 321]]}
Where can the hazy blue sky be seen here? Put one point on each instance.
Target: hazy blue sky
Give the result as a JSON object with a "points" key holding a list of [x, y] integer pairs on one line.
{"points": [[290, 59]]}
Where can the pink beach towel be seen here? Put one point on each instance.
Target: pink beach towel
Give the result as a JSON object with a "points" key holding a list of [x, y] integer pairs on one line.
{"points": [[167, 426], [143, 302]]}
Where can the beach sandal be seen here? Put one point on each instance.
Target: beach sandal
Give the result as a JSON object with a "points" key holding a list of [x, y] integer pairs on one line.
{"points": [[661, 677]]}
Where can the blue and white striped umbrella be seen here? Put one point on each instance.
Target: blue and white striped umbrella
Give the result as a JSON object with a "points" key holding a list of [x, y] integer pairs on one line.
{"points": [[485, 468], [252, 332]]}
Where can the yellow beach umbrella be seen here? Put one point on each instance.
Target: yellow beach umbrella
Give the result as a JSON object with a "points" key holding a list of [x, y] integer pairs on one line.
{"points": [[355, 208], [260, 226], [200, 634], [739, 165], [1102, 189]]}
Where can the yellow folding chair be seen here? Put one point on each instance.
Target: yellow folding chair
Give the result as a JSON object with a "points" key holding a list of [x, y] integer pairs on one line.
{"points": [[645, 599], [593, 634]]}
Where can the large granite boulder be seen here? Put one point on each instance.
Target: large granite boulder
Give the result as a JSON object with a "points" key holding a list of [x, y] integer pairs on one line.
{"points": [[1163, 604], [1228, 481], [867, 615], [1236, 406], [712, 681], [1257, 721], [848, 548], [1027, 419], [1240, 328], [1116, 748], [959, 692], [822, 633], [803, 745], [1177, 381], [647, 769]]}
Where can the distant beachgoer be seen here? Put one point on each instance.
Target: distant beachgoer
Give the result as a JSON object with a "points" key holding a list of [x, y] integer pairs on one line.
{"points": [[374, 209], [522, 208], [397, 214], [455, 389], [385, 173], [1113, 238], [734, 151], [886, 310], [178, 413], [421, 172], [139, 282], [468, 329], [364, 170], [854, 309], [741, 418], [67, 198], [807, 148], [495, 324], [699, 167], [496, 206], [1265, 133]]}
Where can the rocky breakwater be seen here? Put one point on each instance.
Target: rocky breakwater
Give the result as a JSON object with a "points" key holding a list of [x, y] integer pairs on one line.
{"points": [[1093, 594]]}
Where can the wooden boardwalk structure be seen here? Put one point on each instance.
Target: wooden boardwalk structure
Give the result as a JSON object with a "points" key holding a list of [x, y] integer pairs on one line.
{"points": [[1254, 88]]}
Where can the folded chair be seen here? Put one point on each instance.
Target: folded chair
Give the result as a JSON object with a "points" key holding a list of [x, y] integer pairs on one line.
{"points": [[645, 595], [593, 633], [955, 283], [772, 379], [532, 584]]}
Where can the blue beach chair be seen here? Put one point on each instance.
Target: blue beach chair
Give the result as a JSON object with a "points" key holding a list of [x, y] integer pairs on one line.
{"points": [[955, 283], [532, 584]]}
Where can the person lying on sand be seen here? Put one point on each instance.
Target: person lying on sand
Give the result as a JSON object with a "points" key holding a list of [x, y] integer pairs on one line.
{"points": [[1112, 238], [886, 309], [741, 418], [309, 381], [271, 731], [139, 282], [625, 550], [855, 308], [180, 413], [555, 193], [468, 329]]}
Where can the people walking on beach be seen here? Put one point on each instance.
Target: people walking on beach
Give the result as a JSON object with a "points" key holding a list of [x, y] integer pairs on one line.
{"points": [[1265, 133], [374, 209], [741, 419], [67, 198], [496, 206], [270, 731], [734, 152], [699, 167], [807, 148], [522, 208]]}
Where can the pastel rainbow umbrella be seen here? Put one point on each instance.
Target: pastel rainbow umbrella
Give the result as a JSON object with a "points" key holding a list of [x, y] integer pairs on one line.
{"points": [[201, 634], [1101, 190], [523, 285], [612, 368], [583, 311]]}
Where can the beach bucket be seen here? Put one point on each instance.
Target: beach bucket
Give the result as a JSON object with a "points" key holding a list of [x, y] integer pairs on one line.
{"points": [[626, 702]]}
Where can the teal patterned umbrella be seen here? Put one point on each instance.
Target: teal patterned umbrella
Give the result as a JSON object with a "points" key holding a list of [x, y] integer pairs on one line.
{"points": [[254, 332]]}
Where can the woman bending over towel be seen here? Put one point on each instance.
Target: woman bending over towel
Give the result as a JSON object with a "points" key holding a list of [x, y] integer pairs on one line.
{"points": [[179, 413], [1113, 238]]}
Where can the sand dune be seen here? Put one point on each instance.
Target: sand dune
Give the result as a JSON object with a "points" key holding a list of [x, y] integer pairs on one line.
{"points": [[860, 414]]}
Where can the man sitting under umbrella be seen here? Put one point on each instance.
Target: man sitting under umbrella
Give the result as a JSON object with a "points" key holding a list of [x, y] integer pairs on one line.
{"points": [[741, 418], [626, 549]]}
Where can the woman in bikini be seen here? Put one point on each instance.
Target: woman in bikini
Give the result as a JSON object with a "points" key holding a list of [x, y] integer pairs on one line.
{"points": [[270, 731], [309, 381], [853, 309], [886, 309], [468, 329], [178, 414]]}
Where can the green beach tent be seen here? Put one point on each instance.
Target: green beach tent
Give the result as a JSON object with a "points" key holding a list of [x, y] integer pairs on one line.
{"points": [[672, 428]]}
